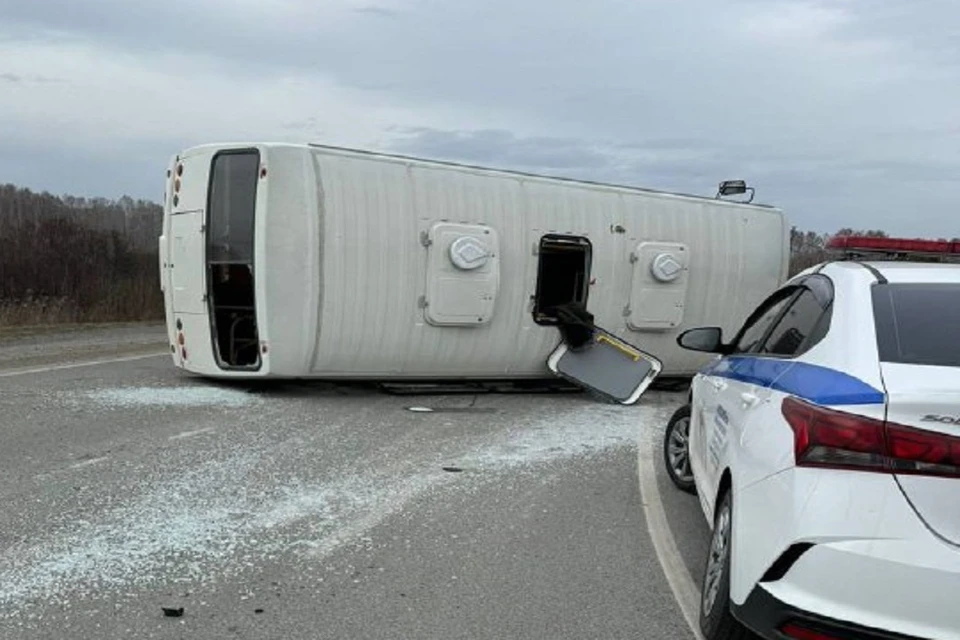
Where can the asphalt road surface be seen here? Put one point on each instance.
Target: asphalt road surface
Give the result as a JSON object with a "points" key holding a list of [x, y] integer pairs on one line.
{"points": [[318, 511]]}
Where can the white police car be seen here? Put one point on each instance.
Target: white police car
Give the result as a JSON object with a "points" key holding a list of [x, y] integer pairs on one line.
{"points": [[824, 446]]}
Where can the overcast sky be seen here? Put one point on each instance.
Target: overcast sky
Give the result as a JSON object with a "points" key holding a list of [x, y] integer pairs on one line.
{"points": [[844, 113]]}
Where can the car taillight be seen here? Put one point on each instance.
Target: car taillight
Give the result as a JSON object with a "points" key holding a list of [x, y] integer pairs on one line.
{"points": [[827, 438], [182, 341], [923, 452], [793, 630]]}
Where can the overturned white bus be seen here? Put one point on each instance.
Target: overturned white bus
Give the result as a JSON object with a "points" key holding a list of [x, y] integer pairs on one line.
{"points": [[307, 261]]}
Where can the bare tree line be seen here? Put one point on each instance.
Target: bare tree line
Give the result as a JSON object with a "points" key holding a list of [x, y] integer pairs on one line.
{"points": [[66, 259]]}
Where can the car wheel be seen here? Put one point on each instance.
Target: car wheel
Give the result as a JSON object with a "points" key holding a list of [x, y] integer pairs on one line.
{"points": [[716, 620], [676, 450]]}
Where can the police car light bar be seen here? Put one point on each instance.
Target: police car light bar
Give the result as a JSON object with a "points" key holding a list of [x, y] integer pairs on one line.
{"points": [[896, 246]]}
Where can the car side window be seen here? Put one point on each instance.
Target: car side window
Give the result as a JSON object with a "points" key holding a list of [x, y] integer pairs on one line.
{"points": [[798, 324], [759, 323], [805, 322]]}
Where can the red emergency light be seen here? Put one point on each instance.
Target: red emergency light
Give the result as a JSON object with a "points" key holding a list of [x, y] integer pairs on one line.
{"points": [[902, 246]]}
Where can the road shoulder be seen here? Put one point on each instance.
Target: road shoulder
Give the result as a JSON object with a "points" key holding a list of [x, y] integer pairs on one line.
{"points": [[33, 348]]}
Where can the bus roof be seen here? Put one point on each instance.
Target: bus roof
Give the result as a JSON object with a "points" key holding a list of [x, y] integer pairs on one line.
{"points": [[479, 168]]}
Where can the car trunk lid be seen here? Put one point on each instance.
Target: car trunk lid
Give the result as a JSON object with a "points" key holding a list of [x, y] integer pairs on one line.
{"points": [[926, 400]]}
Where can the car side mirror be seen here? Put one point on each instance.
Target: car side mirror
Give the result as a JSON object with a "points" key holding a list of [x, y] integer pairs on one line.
{"points": [[709, 339]]}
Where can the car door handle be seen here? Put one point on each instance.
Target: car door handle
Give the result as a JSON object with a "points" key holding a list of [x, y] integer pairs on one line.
{"points": [[749, 399]]}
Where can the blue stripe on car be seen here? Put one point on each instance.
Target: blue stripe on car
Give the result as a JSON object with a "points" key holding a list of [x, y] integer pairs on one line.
{"points": [[819, 385]]}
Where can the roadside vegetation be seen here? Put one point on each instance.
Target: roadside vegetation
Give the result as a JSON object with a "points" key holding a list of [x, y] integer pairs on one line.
{"points": [[75, 260]]}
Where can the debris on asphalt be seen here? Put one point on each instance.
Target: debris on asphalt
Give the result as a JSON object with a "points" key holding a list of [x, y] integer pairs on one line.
{"points": [[453, 469], [172, 613], [452, 409], [258, 610]]}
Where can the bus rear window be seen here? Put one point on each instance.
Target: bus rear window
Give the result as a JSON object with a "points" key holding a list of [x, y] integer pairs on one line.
{"points": [[918, 323], [233, 193]]}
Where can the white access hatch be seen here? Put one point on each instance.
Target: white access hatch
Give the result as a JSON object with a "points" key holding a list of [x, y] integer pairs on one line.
{"points": [[463, 274], [658, 290]]}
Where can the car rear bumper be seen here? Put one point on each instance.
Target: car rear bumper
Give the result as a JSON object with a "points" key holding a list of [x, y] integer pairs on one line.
{"points": [[870, 589], [848, 547], [770, 618]]}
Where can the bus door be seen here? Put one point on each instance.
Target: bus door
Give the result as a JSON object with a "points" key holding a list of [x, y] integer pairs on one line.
{"points": [[187, 226]]}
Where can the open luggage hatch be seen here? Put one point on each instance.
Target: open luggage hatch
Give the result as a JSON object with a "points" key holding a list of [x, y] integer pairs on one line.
{"points": [[607, 366], [588, 356]]}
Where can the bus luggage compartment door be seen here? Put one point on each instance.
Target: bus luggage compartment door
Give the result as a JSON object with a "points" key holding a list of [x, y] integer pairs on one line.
{"points": [[186, 262], [463, 274], [607, 366], [659, 289]]}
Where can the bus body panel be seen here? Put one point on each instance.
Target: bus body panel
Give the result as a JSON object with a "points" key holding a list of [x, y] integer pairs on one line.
{"points": [[343, 252], [288, 247]]}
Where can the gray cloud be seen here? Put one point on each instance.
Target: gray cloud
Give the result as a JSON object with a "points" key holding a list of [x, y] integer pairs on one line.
{"points": [[310, 128], [502, 148], [374, 10], [16, 78], [841, 112], [29, 162], [815, 189]]}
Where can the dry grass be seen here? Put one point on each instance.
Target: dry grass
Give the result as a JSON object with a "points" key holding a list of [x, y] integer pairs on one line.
{"points": [[57, 270], [127, 301]]}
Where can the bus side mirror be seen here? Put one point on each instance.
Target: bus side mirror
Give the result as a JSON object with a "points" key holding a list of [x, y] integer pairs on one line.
{"points": [[709, 339]]}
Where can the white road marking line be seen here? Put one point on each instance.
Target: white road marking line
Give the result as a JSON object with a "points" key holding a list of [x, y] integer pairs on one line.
{"points": [[77, 365], [685, 591], [190, 434], [87, 463]]}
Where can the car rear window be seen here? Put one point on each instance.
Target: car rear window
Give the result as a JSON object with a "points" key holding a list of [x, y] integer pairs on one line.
{"points": [[918, 323]]}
